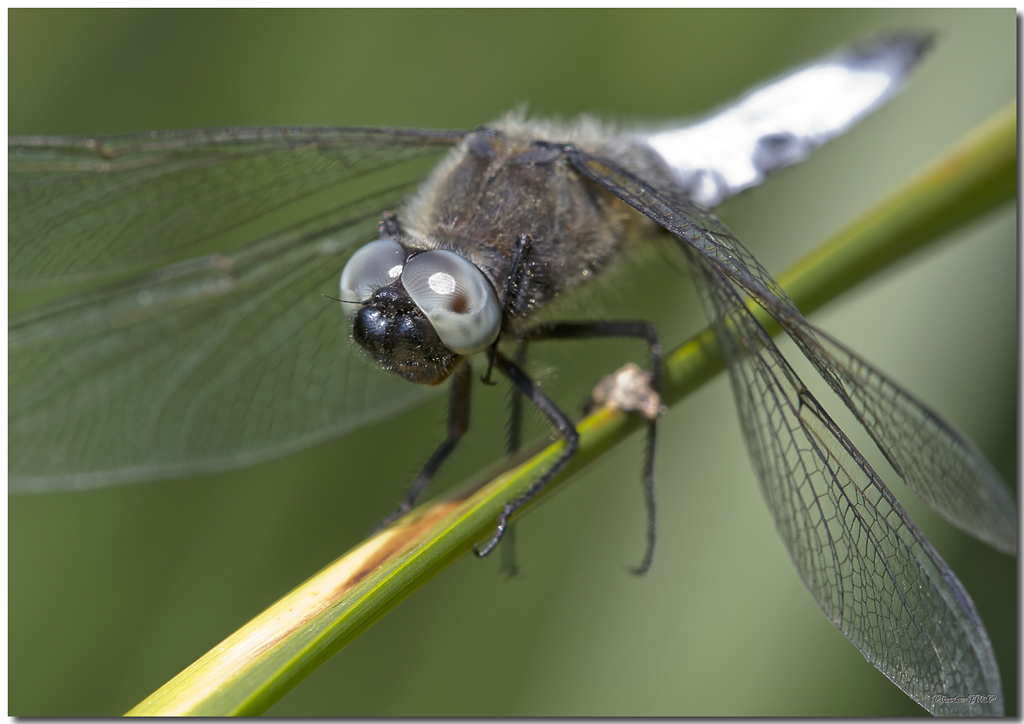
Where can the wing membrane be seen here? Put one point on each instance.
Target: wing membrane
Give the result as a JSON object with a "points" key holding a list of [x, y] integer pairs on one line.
{"points": [[867, 565], [938, 464], [865, 562], [212, 363], [83, 207]]}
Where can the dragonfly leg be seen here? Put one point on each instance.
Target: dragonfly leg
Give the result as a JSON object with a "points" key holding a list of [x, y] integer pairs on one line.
{"points": [[615, 328], [558, 419], [513, 443], [518, 271], [458, 423]]}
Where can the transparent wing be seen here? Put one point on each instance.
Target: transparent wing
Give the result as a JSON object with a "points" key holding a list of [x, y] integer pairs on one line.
{"points": [[867, 565], [938, 464], [83, 207], [781, 122], [216, 362]]}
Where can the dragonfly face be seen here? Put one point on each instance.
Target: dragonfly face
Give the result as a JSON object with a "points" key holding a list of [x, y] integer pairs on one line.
{"points": [[409, 300], [146, 373]]}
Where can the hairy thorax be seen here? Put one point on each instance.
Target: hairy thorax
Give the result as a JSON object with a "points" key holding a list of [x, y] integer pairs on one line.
{"points": [[502, 183]]}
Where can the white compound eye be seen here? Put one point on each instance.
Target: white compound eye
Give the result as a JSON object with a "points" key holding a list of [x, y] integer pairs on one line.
{"points": [[375, 265], [457, 299]]}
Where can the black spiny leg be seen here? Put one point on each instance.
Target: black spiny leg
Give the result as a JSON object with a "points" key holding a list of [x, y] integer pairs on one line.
{"points": [[518, 272], [458, 423], [639, 330], [515, 437], [557, 418], [515, 413]]}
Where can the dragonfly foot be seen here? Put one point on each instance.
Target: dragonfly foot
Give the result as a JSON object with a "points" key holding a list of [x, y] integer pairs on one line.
{"points": [[499, 533]]}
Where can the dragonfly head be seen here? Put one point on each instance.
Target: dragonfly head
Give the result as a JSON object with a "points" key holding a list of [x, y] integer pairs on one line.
{"points": [[419, 311]]}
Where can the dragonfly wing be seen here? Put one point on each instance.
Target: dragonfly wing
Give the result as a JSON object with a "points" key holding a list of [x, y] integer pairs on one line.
{"points": [[867, 565], [79, 208], [781, 122], [937, 463], [697, 227], [212, 363]]}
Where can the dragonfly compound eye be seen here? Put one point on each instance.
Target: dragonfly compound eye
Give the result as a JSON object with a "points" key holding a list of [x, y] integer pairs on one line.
{"points": [[375, 265], [456, 297]]}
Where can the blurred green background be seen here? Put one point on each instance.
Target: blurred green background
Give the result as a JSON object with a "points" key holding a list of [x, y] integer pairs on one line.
{"points": [[112, 592]]}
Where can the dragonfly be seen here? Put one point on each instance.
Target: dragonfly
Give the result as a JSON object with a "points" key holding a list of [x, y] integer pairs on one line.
{"points": [[230, 358]]}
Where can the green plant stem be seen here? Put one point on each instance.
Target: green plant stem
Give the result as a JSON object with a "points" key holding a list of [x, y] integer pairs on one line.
{"points": [[251, 669]]}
